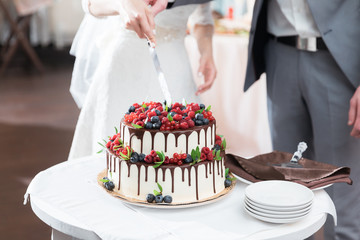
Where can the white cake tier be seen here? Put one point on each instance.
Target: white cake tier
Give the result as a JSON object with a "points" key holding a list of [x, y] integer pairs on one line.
{"points": [[170, 142], [184, 183]]}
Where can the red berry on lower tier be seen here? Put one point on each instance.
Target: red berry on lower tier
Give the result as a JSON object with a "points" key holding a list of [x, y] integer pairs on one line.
{"points": [[210, 156], [218, 142], [176, 155], [177, 117], [205, 150], [184, 125], [140, 123], [203, 156], [179, 162], [148, 159], [217, 137]]}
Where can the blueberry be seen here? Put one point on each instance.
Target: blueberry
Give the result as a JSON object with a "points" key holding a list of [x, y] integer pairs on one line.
{"points": [[202, 106], [134, 157], [183, 107], [157, 112], [167, 199], [206, 121], [155, 119], [227, 183], [159, 199], [109, 185], [173, 114], [157, 125], [131, 109], [217, 147], [169, 109], [142, 157], [188, 159], [148, 125], [106, 178], [147, 108], [150, 198], [199, 116], [185, 114], [127, 113], [199, 122]]}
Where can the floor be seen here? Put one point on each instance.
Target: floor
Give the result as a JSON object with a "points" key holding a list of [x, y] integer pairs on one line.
{"points": [[37, 121]]}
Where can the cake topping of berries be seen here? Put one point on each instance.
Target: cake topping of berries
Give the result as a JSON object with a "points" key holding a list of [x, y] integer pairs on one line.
{"points": [[154, 115]]}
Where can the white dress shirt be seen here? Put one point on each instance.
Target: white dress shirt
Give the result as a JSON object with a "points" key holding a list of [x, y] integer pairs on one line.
{"points": [[290, 18]]}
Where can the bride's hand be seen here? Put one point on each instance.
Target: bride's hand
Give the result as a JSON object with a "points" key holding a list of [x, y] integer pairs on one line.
{"points": [[157, 6], [138, 17], [207, 70]]}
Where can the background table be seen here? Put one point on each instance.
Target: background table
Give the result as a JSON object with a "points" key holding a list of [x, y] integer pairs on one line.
{"points": [[68, 198], [242, 117]]}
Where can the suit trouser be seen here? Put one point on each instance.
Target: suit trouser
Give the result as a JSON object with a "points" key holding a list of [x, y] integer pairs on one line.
{"points": [[308, 100]]}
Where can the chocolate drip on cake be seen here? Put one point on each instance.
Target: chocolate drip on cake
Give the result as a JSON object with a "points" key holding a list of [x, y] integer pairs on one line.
{"points": [[128, 165], [107, 160], [138, 135], [166, 134], [139, 168], [146, 173], [222, 173], [189, 171], [156, 174], [213, 165], [206, 170], [163, 172], [218, 168], [172, 179], [119, 174], [183, 174], [123, 132], [196, 181]]}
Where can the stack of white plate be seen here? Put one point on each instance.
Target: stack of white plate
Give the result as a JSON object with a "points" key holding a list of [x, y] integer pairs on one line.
{"points": [[278, 201]]}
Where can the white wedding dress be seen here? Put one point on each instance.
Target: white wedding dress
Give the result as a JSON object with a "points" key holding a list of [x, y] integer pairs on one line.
{"points": [[113, 70]]}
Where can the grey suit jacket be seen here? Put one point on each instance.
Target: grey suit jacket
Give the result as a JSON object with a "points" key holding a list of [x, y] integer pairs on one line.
{"points": [[339, 25], [185, 2]]}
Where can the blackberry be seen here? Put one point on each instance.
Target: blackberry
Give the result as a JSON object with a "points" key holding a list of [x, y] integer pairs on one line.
{"points": [[199, 122], [206, 121], [157, 125], [134, 157]]}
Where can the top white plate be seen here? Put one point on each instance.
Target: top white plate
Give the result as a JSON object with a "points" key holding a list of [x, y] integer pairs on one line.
{"points": [[279, 193], [248, 182]]}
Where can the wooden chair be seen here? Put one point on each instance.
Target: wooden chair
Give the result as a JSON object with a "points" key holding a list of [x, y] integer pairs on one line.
{"points": [[18, 32]]}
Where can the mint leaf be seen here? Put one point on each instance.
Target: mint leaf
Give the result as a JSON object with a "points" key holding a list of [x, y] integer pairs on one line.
{"points": [[170, 117], [223, 144], [193, 155], [116, 130], [136, 126], [104, 180], [160, 187], [220, 135], [123, 156], [217, 156], [101, 144], [231, 179], [144, 105], [208, 108], [161, 156], [199, 111], [226, 172], [100, 151], [156, 193], [157, 164]]}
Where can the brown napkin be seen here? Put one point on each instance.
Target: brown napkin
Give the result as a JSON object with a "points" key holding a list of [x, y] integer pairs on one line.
{"points": [[312, 175]]}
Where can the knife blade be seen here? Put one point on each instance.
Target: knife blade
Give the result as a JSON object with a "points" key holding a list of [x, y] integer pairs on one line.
{"points": [[161, 76]]}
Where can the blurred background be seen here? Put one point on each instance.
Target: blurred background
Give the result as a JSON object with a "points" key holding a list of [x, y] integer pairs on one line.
{"points": [[38, 115]]}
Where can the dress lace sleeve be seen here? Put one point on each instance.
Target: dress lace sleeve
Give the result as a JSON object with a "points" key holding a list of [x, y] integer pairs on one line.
{"points": [[202, 15]]}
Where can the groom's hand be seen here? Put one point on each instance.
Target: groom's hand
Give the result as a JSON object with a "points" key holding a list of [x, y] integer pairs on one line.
{"points": [[157, 6], [354, 114]]}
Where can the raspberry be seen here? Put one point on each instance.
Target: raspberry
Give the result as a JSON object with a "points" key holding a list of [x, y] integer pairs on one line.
{"points": [[205, 150], [184, 125], [191, 123], [218, 142], [179, 162], [136, 105], [209, 113], [210, 156], [151, 114], [160, 108], [148, 159], [108, 144], [168, 124], [176, 155], [140, 123], [175, 105], [187, 118], [164, 114], [217, 137], [203, 157], [191, 114], [135, 120], [156, 159], [167, 160], [211, 118], [117, 141], [167, 128], [205, 114], [142, 116], [164, 120], [153, 153], [177, 117], [171, 160]]}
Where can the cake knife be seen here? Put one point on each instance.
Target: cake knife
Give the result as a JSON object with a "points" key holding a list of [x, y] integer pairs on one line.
{"points": [[161, 76]]}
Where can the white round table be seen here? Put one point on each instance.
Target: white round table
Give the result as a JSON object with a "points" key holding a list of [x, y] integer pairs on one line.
{"points": [[68, 199]]}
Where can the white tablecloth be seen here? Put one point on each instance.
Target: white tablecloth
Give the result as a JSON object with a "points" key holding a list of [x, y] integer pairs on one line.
{"points": [[241, 117], [69, 191]]}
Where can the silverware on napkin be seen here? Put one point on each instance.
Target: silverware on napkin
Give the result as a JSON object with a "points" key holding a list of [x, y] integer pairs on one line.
{"points": [[294, 161], [161, 76]]}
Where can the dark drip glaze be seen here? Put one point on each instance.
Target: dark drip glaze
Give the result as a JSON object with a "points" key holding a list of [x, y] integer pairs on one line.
{"points": [[110, 161], [183, 174], [107, 160], [218, 168], [206, 170], [139, 168], [210, 167], [156, 174], [212, 141], [189, 171], [128, 164], [213, 165], [163, 172], [139, 133], [222, 174], [206, 130], [119, 174], [146, 173], [172, 179], [196, 181], [114, 164], [123, 131]]}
